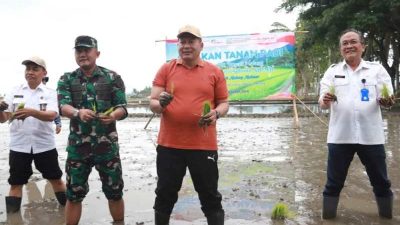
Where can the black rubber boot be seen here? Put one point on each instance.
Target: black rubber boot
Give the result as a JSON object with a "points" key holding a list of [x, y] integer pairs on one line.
{"points": [[61, 198], [216, 218], [329, 207], [161, 218], [13, 204], [385, 207]]}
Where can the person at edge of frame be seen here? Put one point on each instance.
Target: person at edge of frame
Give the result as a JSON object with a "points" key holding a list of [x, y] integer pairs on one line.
{"points": [[30, 108], [353, 90]]}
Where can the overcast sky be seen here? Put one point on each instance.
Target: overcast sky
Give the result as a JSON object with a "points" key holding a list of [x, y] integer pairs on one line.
{"points": [[127, 32]]}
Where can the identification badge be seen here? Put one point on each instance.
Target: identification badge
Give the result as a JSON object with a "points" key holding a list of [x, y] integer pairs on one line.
{"points": [[364, 95], [42, 104]]}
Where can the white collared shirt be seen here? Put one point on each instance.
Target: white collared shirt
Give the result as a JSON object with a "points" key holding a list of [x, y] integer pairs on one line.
{"points": [[32, 133], [353, 121]]}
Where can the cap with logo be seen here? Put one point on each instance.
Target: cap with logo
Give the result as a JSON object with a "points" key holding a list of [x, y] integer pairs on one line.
{"points": [[85, 41], [189, 29], [36, 60]]}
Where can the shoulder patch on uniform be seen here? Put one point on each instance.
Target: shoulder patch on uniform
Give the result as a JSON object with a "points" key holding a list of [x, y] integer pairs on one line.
{"points": [[113, 75], [110, 73], [65, 76]]}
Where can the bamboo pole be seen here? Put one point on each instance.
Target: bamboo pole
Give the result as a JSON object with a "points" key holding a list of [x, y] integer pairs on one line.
{"points": [[310, 110], [152, 116], [296, 116]]}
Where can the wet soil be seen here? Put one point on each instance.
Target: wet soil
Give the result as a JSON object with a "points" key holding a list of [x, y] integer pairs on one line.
{"points": [[262, 161]]}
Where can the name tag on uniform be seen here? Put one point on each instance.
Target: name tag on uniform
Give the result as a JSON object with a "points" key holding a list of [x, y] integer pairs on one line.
{"points": [[340, 76], [18, 99]]}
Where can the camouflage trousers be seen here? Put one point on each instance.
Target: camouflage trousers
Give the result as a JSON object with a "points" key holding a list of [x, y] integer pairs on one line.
{"points": [[105, 158]]}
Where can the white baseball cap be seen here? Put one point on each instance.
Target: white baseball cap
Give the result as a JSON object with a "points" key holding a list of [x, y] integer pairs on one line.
{"points": [[35, 59]]}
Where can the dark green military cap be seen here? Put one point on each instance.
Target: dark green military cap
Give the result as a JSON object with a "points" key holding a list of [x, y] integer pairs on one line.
{"points": [[85, 41]]}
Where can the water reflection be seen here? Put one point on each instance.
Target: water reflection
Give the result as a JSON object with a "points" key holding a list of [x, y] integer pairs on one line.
{"points": [[250, 182], [38, 208]]}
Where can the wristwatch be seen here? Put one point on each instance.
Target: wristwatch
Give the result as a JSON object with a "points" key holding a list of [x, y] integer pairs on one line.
{"points": [[75, 114]]}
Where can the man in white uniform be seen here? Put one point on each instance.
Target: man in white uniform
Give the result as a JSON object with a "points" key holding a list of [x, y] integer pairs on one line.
{"points": [[32, 108], [352, 90]]}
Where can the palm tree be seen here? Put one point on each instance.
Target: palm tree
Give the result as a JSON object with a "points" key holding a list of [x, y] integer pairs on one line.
{"points": [[279, 27]]}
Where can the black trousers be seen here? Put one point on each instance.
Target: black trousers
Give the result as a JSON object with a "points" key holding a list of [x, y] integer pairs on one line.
{"points": [[373, 157], [171, 169]]}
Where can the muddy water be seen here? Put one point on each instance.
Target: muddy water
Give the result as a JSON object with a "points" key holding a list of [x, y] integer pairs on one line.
{"points": [[262, 161]]}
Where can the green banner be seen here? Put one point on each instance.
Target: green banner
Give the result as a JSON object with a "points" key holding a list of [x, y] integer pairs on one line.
{"points": [[256, 66]]}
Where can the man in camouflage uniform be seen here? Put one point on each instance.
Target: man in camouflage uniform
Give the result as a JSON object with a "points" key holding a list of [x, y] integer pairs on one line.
{"points": [[84, 96]]}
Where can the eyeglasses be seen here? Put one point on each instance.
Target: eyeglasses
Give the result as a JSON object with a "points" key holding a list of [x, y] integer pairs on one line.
{"points": [[351, 43]]}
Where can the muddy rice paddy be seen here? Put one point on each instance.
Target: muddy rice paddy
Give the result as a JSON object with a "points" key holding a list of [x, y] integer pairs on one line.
{"points": [[262, 161]]}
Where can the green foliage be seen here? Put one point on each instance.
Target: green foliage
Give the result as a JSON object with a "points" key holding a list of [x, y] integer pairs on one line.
{"points": [[94, 108], [108, 111], [332, 90], [206, 108], [385, 91], [280, 211], [312, 60], [140, 94], [278, 27], [21, 105], [324, 21]]}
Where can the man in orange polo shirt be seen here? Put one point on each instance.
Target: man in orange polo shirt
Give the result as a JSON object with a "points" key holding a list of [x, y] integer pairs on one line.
{"points": [[187, 138]]}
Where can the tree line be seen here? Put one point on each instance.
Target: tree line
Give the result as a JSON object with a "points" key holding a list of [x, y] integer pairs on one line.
{"points": [[139, 94], [319, 25]]}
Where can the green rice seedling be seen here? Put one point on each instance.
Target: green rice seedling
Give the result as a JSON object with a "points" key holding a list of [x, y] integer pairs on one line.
{"points": [[332, 91], [206, 108], [94, 108], [280, 211], [19, 106], [108, 111], [385, 92]]}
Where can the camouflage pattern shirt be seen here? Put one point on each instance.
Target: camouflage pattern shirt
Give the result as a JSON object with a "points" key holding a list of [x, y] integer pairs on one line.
{"points": [[99, 92]]}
